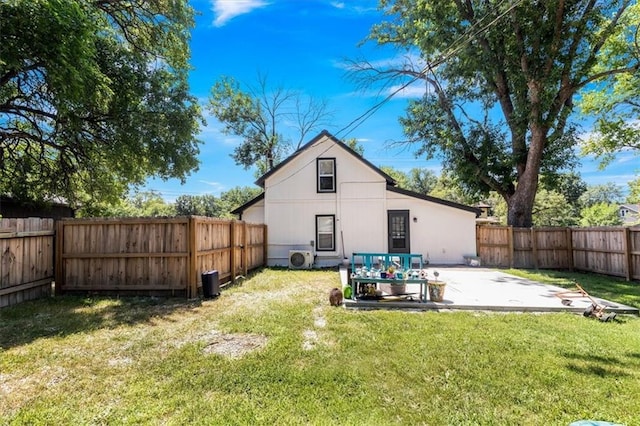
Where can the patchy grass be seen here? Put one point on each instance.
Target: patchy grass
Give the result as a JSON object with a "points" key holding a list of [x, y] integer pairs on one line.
{"points": [[272, 351], [610, 288]]}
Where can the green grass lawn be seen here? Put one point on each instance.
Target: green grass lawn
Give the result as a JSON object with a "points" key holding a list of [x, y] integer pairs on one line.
{"points": [[272, 351], [614, 289]]}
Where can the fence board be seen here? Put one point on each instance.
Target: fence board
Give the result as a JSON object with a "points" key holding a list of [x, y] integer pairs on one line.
{"points": [[26, 259], [151, 255], [494, 247], [606, 250]]}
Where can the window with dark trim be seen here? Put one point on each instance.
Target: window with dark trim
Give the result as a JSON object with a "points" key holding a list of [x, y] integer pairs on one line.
{"points": [[326, 174], [325, 232]]}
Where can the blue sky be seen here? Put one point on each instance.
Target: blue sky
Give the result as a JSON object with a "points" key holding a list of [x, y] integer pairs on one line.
{"points": [[302, 45]]}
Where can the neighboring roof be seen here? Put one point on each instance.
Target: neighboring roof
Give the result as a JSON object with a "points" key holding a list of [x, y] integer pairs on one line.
{"points": [[631, 207], [433, 199], [324, 133], [248, 204]]}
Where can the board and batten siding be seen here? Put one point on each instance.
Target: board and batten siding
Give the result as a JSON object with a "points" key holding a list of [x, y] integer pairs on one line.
{"points": [[292, 203], [441, 233], [255, 213]]}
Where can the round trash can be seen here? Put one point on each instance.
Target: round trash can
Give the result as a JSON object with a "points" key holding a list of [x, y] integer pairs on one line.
{"points": [[210, 284]]}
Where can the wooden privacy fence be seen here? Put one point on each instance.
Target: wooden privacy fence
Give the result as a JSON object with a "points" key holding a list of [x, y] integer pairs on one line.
{"points": [[154, 256], [26, 259], [606, 250]]}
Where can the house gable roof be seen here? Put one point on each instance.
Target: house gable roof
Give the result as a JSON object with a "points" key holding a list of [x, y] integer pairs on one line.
{"points": [[324, 133], [434, 199]]}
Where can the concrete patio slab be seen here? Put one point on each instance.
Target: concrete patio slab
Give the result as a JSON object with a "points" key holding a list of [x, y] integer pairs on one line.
{"points": [[483, 289]]}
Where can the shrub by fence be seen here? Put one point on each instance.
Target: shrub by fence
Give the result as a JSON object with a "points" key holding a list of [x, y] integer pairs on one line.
{"points": [[26, 259], [607, 250], [152, 255]]}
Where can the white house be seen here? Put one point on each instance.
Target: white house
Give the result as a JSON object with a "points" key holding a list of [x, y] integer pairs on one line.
{"points": [[328, 200], [630, 214]]}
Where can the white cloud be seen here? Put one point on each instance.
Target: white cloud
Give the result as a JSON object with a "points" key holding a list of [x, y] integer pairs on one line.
{"points": [[225, 10], [337, 4], [414, 90], [217, 187]]}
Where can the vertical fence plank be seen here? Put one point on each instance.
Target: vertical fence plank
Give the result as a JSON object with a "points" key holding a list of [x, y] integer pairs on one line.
{"points": [[510, 243], [245, 249], [192, 275], [26, 259], [232, 245], [605, 250], [628, 265]]}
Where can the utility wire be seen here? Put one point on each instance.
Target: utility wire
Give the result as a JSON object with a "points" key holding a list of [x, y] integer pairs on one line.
{"points": [[462, 41]]}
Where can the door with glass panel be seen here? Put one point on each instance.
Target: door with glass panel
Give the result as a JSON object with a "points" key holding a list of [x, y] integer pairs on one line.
{"points": [[398, 227]]}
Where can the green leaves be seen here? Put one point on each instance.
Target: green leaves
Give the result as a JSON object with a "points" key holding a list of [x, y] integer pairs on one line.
{"points": [[94, 97], [601, 214], [501, 81]]}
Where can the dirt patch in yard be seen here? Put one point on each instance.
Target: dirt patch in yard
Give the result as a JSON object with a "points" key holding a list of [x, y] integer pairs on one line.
{"points": [[235, 345]]}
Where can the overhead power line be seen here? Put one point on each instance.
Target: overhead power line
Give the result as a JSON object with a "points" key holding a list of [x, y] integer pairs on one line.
{"points": [[454, 48]]}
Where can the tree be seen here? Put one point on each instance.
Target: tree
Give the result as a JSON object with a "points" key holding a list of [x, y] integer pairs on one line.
{"points": [[355, 145], [422, 181], [448, 187], [401, 178], [139, 204], [209, 205], [501, 78], [198, 205], [608, 193], [551, 208], [570, 185], [94, 97], [601, 214], [235, 197], [634, 191], [260, 116], [616, 110]]}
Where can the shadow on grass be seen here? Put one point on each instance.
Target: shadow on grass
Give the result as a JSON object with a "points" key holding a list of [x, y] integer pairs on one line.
{"points": [[604, 366], [65, 315]]}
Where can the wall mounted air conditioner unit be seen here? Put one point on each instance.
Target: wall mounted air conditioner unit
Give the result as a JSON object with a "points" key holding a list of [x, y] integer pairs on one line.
{"points": [[300, 259]]}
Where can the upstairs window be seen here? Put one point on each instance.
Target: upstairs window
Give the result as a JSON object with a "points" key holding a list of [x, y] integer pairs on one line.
{"points": [[326, 174]]}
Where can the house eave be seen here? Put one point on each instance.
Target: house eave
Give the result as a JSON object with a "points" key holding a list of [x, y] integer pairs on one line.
{"points": [[260, 182], [245, 206], [434, 199]]}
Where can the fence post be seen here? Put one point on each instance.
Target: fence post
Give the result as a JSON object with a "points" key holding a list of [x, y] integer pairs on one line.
{"points": [[627, 254], [192, 274], [510, 232], [569, 232], [58, 268], [232, 245], [245, 249], [534, 248]]}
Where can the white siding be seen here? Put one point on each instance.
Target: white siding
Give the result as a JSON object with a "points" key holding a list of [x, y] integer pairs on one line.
{"points": [[255, 213], [292, 203], [442, 234]]}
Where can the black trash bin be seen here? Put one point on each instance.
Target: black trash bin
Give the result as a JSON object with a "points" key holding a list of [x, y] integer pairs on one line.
{"points": [[210, 284]]}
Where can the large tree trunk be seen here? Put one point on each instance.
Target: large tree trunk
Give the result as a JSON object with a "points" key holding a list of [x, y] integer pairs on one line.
{"points": [[520, 207], [520, 204]]}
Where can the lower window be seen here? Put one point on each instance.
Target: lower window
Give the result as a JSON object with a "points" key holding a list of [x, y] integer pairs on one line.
{"points": [[325, 232]]}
